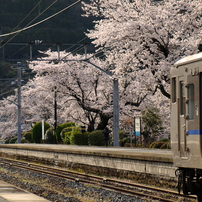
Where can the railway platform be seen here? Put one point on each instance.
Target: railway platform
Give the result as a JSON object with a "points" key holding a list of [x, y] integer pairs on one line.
{"points": [[10, 193], [95, 159]]}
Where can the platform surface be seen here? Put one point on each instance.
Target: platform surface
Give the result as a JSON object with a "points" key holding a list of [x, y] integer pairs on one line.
{"points": [[10, 193]]}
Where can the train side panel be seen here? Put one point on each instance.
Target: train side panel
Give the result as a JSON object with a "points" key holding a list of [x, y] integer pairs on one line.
{"points": [[186, 123], [186, 114]]}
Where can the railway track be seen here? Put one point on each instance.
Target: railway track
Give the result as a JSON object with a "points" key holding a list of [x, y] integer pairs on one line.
{"points": [[134, 189]]}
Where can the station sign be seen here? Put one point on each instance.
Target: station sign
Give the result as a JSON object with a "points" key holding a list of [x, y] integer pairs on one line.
{"points": [[137, 126]]}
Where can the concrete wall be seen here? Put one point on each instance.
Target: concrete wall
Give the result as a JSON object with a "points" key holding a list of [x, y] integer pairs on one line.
{"points": [[162, 166]]}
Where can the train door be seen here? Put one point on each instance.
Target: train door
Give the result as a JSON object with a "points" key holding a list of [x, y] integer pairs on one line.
{"points": [[181, 118], [192, 114]]}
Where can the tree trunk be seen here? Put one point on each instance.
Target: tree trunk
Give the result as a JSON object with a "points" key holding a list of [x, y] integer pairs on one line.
{"points": [[103, 121], [91, 126]]}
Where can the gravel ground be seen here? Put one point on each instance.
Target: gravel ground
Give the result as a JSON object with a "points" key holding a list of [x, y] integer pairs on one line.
{"points": [[59, 190]]}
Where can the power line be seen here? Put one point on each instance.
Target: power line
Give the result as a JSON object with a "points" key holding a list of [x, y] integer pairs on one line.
{"points": [[23, 19], [73, 51], [6, 93], [43, 52], [11, 33], [28, 23], [77, 49], [74, 44], [41, 44], [16, 51]]}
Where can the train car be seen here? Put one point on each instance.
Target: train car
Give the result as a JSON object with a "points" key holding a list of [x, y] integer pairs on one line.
{"points": [[186, 123]]}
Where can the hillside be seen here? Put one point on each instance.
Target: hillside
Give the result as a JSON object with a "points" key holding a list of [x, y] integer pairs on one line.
{"points": [[67, 27]]}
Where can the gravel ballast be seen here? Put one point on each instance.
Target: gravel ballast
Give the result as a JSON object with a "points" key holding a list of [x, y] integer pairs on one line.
{"points": [[59, 190]]}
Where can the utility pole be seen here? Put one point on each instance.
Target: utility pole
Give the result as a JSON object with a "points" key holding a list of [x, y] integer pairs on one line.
{"points": [[115, 102], [55, 111], [116, 112], [55, 114], [19, 101], [58, 49], [30, 52], [1, 51]]}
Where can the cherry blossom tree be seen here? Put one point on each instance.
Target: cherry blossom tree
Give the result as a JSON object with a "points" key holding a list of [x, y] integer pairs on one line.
{"points": [[87, 94], [146, 35], [83, 93]]}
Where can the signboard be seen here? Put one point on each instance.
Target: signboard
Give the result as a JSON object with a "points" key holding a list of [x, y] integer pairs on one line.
{"points": [[42, 129], [137, 126]]}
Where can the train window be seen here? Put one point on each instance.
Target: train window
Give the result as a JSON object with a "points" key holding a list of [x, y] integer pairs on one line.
{"points": [[191, 103], [173, 90], [181, 97]]}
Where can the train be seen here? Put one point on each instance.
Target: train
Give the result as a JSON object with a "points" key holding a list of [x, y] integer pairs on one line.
{"points": [[186, 123]]}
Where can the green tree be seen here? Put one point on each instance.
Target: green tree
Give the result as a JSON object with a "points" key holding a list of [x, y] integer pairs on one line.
{"points": [[37, 131], [152, 123]]}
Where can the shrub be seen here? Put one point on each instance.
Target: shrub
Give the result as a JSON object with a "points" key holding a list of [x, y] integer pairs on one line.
{"points": [[67, 137], [121, 134], [49, 136], [165, 140], [7, 141], [166, 145], [160, 145], [76, 137], [37, 131], [28, 136], [62, 134], [156, 144], [23, 140], [125, 140], [96, 138], [60, 128], [129, 144], [13, 140]]}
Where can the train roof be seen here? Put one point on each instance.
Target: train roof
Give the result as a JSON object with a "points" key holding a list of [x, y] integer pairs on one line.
{"points": [[189, 59]]}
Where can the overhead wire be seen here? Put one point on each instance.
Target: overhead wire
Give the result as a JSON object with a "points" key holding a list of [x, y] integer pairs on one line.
{"points": [[75, 45], [77, 49], [67, 48], [23, 19], [72, 52], [17, 51], [41, 21], [44, 52], [29, 23], [11, 79], [98, 52], [6, 93], [5, 87], [11, 33]]}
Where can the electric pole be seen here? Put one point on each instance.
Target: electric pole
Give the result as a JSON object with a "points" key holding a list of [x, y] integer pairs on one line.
{"points": [[115, 103], [19, 101], [55, 114], [116, 112]]}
